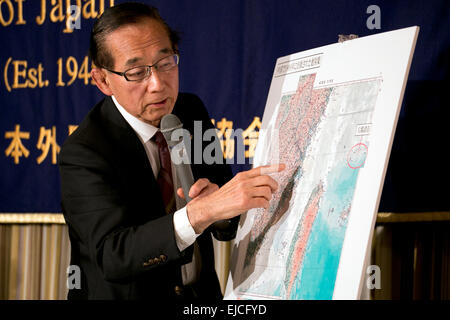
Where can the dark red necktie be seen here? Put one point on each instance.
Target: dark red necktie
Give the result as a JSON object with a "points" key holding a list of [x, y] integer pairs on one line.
{"points": [[165, 181]]}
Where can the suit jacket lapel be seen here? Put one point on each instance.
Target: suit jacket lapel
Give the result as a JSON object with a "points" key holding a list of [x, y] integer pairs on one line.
{"points": [[130, 156]]}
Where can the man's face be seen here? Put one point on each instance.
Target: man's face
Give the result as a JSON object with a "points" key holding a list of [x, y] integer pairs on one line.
{"points": [[142, 44]]}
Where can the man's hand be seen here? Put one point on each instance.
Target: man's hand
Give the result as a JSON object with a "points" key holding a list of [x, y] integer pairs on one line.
{"points": [[247, 190]]}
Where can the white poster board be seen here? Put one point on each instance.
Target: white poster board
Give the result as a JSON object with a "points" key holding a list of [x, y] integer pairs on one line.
{"points": [[330, 117]]}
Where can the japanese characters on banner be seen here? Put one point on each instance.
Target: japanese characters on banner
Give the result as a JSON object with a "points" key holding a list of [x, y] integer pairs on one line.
{"points": [[46, 90], [49, 148], [228, 51]]}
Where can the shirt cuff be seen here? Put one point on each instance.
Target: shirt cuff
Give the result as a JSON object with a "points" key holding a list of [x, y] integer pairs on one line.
{"points": [[184, 233]]}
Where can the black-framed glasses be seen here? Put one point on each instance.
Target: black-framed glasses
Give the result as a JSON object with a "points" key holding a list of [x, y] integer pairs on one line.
{"points": [[143, 72]]}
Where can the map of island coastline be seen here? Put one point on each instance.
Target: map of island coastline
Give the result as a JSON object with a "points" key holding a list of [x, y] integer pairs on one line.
{"points": [[322, 132]]}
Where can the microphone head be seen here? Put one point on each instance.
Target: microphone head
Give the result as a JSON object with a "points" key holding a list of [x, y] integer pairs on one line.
{"points": [[169, 123]]}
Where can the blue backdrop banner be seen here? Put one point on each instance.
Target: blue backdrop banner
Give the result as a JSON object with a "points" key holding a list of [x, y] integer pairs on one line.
{"points": [[228, 51]]}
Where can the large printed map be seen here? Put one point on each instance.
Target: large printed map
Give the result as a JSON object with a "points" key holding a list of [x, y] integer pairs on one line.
{"points": [[321, 131], [323, 151]]}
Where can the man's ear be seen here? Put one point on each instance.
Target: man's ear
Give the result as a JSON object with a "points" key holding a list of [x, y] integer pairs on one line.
{"points": [[99, 77]]}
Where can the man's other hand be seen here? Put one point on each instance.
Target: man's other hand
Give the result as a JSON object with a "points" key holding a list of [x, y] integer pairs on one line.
{"points": [[247, 190], [200, 188]]}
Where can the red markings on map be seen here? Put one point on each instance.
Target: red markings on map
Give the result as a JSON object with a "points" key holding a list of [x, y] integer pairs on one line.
{"points": [[297, 120], [357, 156], [301, 236]]}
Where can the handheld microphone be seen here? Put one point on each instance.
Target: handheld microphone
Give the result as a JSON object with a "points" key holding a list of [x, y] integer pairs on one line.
{"points": [[170, 123], [175, 140]]}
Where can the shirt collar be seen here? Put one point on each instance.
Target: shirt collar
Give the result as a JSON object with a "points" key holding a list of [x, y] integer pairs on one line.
{"points": [[144, 130]]}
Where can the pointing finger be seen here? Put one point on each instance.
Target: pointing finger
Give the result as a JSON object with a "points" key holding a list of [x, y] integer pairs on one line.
{"points": [[265, 181], [265, 170]]}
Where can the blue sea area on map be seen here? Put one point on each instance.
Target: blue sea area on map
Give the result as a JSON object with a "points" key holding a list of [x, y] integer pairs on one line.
{"points": [[325, 242]]}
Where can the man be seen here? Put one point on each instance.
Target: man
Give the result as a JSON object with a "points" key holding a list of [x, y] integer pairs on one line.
{"points": [[126, 236]]}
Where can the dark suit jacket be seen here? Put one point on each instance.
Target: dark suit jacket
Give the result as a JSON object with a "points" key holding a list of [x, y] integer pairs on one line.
{"points": [[120, 236]]}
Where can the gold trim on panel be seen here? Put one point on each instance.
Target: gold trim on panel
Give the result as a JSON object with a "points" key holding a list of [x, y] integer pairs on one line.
{"points": [[55, 218], [382, 217], [389, 217]]}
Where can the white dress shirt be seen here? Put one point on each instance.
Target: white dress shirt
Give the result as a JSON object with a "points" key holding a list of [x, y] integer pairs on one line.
{"points": [[184, 233]]}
